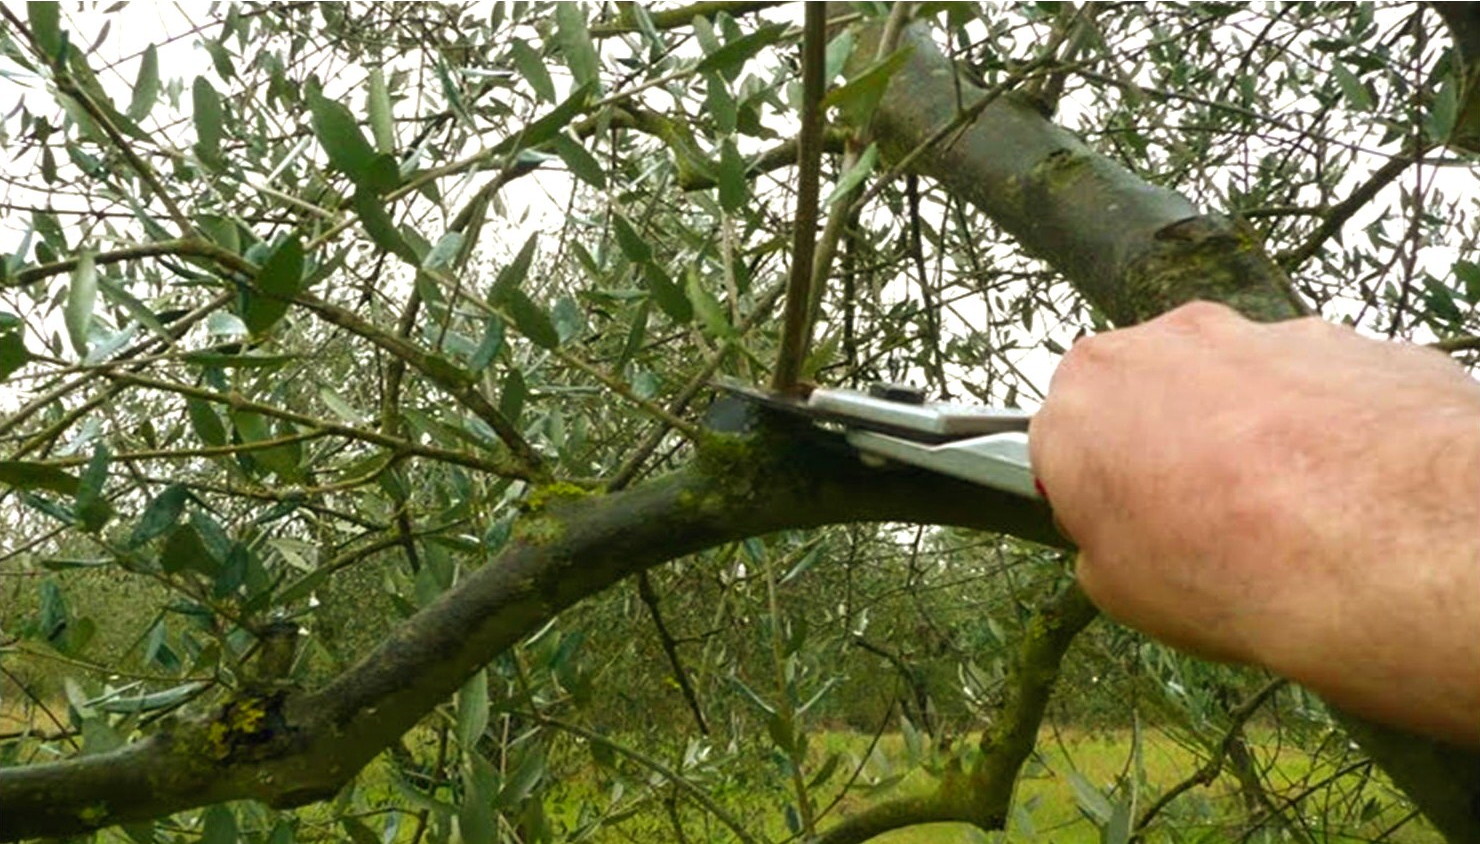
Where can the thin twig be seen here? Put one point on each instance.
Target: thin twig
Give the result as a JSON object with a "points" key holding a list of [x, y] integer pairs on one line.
{"points": [[804, 233], [1214, 766]]}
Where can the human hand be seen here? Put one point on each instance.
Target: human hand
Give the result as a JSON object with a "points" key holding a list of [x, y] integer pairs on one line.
{"points": [[1291, 495]]}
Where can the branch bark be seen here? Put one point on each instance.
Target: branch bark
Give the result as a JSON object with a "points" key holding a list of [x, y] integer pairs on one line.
{"points": [[291, 749]]}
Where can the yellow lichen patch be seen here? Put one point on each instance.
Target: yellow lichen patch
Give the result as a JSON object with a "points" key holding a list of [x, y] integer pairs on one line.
{"points": [[558, 492], [94, 815]]}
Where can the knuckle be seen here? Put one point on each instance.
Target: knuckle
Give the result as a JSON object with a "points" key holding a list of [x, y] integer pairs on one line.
{"points": [[1198, 315]]}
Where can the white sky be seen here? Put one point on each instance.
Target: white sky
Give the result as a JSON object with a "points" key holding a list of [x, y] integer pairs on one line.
{"points": [[530, 204]]}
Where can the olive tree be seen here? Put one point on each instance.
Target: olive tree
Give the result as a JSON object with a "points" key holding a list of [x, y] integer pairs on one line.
{"points": [[353, 347]]}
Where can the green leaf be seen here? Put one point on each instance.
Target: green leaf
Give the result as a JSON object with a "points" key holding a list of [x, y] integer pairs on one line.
{"points": [[378, 224], [630, 242], [381, 125], [575, 43], [513, 273], [25, 475], [210, 115], [476, 821], [858, 98], [546, 127], [1468, 272], [82, 296], [720, 103], [92, 509], [13, 353], [115, 293], [443, 254], [782, 734], [710, 311], [532, 67], [530, 319], [278, 281], [184, 551], [146, 85], [160, 515], [220, 58], [489, 346], [525, 777], [1351, 87], [205, 422], [358, 832], [570, 320], [829, 767], [582, 164], [348, 151], [803, 565], [1439, 122], [635, 334], [512, 394], [838, 51], [46, 25], [1440, 302], [472, 709], [733, 189], [729, 58], [343, 409], [162, 699], [219, 826], [855, 175], [1091, 801], [50, 508], [669, 296]]}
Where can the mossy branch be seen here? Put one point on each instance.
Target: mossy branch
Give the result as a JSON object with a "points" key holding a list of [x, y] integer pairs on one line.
{"points": [[775, 479], [983, 795]]}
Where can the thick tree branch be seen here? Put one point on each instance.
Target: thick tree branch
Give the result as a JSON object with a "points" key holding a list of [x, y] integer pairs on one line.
{"points": [[291, 750], [1131, 248], [1463, 20]]}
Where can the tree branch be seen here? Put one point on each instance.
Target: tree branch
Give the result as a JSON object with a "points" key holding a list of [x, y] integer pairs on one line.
{"points": [[626, 19], [1214, 766], [804, 233], [982, 796], [288, 750], [1333, 219], [451, 379]]}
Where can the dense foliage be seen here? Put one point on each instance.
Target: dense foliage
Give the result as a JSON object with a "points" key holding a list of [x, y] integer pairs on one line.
{"points": [[309, 312]]}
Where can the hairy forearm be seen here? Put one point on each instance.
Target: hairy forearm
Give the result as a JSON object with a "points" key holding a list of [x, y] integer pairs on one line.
{"points": [[1396, 634], [1293, 496]]}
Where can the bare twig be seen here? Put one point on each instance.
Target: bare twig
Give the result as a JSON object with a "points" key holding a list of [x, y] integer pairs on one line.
{"points": [[804, 233], [1214, 766]]}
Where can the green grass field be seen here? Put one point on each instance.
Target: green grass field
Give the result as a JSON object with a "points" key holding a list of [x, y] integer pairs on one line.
{"points": [[1321, 799]]}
